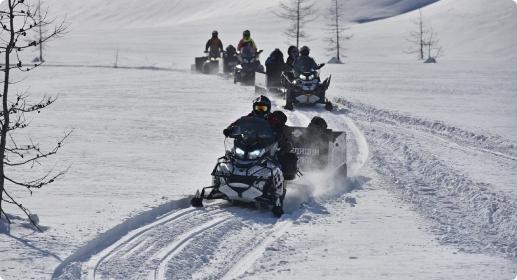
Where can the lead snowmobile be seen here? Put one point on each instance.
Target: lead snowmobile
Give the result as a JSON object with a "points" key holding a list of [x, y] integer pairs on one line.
{"points": [[251, 172]]}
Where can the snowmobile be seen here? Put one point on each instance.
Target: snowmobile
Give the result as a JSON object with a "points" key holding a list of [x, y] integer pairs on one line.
{"points": [[249, 64], [251, 172], [263, 85], [230, 60], [303, 86], [208, 64], [270, 81]]}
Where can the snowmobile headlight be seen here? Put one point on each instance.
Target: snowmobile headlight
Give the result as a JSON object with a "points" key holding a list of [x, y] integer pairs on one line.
{"points": [[239, 152], [311, 77], [303, 77], [256, 154]]}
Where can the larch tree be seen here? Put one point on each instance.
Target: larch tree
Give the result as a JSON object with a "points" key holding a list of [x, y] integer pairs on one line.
{"points": [[416, 38], [298, 13], [424, 41], [336, 28], [19, 19]]}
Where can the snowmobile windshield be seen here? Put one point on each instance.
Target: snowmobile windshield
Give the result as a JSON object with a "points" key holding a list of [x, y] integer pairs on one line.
{"points": [[252, 133], [305, 65]]}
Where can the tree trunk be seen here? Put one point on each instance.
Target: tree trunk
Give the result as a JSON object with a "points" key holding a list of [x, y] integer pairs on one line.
{"points": [[421, 36], [298, 25], [40, 34], [5, 107], [337, 31]]}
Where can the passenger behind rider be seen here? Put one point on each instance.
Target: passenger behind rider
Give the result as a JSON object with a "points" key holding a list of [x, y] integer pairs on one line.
{"points": [[215, 45], [292, 54]]}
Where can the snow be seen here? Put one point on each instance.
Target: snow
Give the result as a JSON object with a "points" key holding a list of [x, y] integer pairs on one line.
{"points": [[432, 150]]}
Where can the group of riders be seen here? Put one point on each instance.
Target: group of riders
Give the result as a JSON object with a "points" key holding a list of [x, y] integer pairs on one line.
{"points": [[298, 60], [265, 149]]}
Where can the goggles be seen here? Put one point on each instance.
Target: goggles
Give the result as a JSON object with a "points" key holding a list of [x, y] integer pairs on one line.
{"points": [[261, 108]]}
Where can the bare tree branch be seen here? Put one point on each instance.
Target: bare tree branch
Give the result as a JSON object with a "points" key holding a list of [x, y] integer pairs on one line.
{"points": [[297, 13]]}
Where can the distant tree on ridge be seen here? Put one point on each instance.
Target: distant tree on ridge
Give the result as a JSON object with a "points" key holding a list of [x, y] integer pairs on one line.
{"points": [[298, 13]]}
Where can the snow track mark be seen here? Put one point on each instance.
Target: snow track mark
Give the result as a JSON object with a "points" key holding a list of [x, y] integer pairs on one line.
{"points": [[166, 254], [483, 142], [241, 266], [415, 155], [92, 265]]}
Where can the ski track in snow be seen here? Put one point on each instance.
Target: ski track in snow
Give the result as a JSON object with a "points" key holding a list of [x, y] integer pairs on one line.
{"points": [[483, 142], [241, 266], [475, 216]]}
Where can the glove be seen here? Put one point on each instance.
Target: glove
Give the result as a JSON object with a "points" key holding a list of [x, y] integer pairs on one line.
{"points": [[226, 132]]}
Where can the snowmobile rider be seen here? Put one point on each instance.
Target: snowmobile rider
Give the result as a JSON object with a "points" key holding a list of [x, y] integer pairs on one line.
{"points": [[305, 63], [262, 109], [275, 65], [215, 45], [246, 41], [292, 54], [277, 120]]}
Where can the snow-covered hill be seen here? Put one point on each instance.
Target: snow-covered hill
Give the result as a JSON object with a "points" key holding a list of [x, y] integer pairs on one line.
{"points": [[432, 148], [476, 29]]}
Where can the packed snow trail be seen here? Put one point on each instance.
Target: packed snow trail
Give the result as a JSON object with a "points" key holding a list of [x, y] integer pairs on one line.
{"points": [[221, 241], [436, 167]]}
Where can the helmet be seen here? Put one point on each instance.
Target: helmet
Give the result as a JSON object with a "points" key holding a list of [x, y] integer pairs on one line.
{"points": [[231, 49], [305, 51], [277, 54], [215, 33], [261, 106], [292, 50], [246, 34]]}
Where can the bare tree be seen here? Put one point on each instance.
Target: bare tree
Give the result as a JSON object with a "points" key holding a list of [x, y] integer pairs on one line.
{"points": [[336, 29], [298, 13], [424, 39], [18, 19], [416, 38], [431, 44]]}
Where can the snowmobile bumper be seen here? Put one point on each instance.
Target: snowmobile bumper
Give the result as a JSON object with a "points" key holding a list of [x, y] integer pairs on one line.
{"points": [[231, 184]]}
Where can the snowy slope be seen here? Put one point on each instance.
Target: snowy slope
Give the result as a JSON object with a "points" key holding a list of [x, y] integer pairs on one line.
{"points": [[478, 29], [467, 30], [145, 139]]}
